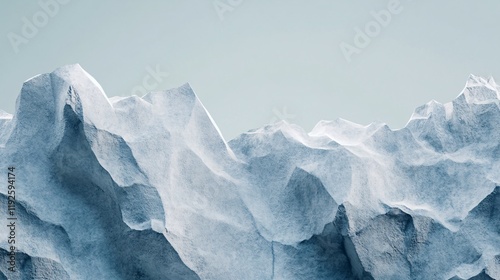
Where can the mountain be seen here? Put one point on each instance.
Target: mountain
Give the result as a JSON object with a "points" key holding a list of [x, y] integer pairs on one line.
{"points": [[147, 188]]}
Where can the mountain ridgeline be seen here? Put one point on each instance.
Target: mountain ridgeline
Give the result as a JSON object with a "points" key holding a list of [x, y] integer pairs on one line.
{"points": [[147, 188]]}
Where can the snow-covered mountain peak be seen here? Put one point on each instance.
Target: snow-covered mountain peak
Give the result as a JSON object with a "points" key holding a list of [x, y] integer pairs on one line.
{"points": [[147, 188], [481, 90]]}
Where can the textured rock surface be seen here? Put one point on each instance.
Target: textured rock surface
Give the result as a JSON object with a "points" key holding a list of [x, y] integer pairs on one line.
{"points": [[147, 188]]}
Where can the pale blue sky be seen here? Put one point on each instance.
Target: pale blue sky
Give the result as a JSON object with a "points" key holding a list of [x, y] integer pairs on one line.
{"points": [[263, 56]]}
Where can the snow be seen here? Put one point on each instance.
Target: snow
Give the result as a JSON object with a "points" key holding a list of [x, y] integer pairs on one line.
{"points": [[148, 188]]}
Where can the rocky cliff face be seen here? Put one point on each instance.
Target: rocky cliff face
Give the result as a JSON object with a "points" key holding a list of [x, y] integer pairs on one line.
{"points": [[147, 188]]}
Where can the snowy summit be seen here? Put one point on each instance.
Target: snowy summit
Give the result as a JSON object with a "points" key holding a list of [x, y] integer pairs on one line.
{"points": [[147, 188]]}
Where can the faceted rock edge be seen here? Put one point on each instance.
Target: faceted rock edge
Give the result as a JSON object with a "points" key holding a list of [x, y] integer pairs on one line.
{"points": [[147, 188]]}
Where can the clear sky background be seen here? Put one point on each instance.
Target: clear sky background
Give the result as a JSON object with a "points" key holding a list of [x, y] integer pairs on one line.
{"points": [[251, 62]]}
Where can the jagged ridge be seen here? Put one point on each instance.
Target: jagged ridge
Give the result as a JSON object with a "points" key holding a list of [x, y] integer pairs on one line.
{"points": [[147, 188]]}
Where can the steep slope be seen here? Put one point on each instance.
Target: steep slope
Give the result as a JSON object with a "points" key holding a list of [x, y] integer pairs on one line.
{"points": [[147, 188]]}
